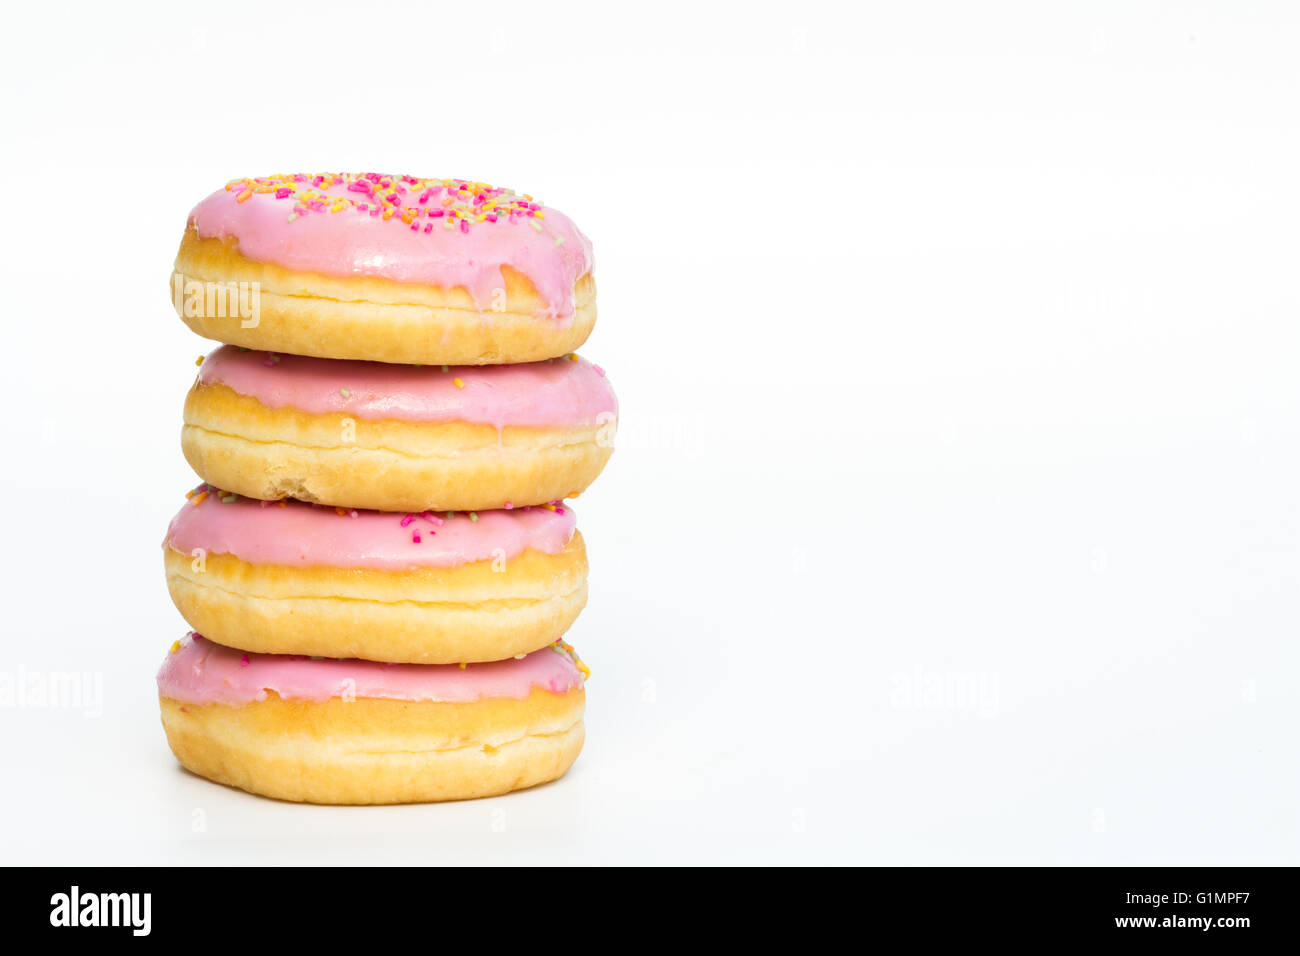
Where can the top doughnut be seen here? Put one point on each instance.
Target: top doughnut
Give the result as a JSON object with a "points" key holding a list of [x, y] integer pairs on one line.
{"points": [[385, 268]]}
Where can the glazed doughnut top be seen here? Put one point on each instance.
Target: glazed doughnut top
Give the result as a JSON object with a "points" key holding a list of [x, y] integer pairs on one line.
{"points": [[563, 392], [197, 671], [444, 232], [296, 534]]}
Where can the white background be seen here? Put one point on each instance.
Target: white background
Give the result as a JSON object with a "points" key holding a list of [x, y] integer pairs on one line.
{"points": [[954, 513]]}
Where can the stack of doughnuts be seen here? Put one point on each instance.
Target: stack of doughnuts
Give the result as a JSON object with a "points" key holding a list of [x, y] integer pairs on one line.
{"points": [[379, 566]]}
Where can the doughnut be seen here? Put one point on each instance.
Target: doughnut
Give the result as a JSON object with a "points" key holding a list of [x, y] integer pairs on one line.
{"points": [[355, 732], [386, 268], [295, 578], [398, 437]]}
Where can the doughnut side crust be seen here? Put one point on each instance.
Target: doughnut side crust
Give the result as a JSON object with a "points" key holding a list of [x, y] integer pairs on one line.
{"points": [[482, 611], [374, 751], [236, 443], [367, 317]]}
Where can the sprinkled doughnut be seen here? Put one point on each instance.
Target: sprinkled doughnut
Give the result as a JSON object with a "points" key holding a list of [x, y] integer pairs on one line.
{"points": [[398, 437], [359, 732], [292, 578], [385, 268]]}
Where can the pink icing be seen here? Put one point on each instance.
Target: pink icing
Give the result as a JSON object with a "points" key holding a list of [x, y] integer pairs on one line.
{"points": [[288, 221], [551, 394], [201, 672], [297, 534]]}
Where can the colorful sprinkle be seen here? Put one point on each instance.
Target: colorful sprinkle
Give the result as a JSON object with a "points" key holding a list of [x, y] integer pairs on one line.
{"points": [[562, 648], [414, 203]]}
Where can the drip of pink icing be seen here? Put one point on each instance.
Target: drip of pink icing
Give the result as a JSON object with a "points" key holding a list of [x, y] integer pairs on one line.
{"points": [[552, 394], [268, 227], [201, 672], [297, 534]]}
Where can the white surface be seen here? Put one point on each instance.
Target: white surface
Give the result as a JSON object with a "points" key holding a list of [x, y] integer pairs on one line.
{"points": [[954, 514]]}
